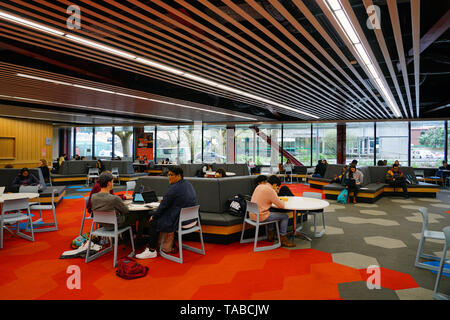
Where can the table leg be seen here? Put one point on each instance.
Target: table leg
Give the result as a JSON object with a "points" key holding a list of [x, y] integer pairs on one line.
{"points": [[296, 232]]}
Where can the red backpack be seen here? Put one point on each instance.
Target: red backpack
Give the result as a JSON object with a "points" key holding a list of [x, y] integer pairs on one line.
{"points": [[128, 268]]}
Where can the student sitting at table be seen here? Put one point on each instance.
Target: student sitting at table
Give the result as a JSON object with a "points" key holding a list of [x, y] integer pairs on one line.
{"points": [[105, 201], [443, 171], [181, 194], [261, 179], [264, 195], [25, 178]]}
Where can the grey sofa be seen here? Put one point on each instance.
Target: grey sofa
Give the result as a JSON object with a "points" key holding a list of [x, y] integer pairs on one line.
{"points": [[374, 187], [212, 195], [76, 170], [7, 176]]}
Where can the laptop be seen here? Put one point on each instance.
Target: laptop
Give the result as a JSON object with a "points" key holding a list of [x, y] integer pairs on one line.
{"points": [[141, 197]]}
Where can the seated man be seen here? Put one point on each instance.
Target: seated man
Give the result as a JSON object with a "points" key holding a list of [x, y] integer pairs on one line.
{"points": [[181, 194], [395, 178], [105, 201], [264, 196], [25, 178], [443, 171]]}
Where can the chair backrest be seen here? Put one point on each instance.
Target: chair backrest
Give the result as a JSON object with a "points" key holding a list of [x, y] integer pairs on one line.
{"points": [[253, 208], [446, 231], [105, 217], [93, 171], [15, 204], [2, 190], [315, 195], [310, 170], [424, 212], [115, 171], [29, 189], [419, 173], [189, 213], [130, 185]]}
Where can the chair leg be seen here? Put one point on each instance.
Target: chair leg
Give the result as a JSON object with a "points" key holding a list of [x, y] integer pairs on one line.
{"points": [[437, 295], [1, 235], [116, 244], [132, 244], [82, 223]]}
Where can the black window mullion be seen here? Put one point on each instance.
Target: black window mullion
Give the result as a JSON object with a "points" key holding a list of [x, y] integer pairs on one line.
{"points": [[93, 142]]}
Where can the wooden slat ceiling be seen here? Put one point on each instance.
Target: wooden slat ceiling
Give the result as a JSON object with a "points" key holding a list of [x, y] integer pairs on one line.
{"points": [[292, 55]]}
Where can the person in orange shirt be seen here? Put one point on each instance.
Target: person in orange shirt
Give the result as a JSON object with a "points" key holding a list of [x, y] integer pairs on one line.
{"points": [[264, 196]]}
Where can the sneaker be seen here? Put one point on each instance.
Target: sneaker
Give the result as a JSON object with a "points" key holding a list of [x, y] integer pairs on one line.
{"points": [[147, 254]]}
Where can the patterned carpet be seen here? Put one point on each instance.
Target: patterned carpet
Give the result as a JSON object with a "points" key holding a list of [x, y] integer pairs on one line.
{"points": [[332, 267]]}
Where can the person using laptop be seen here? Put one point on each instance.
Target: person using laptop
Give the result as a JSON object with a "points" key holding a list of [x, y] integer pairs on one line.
{"points": [[105, 201], [181, 194], [25, 178]]}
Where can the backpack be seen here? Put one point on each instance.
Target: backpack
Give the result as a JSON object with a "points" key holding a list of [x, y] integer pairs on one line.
{"points": [[128, 268], [238, 205], [342, 197]]}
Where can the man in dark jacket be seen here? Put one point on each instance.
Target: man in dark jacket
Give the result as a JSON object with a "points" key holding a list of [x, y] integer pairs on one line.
{"points": [[25, 178], [180, 195], [396, 178]]}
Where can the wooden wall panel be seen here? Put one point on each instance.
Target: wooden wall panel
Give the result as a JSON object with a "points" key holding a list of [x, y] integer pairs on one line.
{"points": [[30, 141]]}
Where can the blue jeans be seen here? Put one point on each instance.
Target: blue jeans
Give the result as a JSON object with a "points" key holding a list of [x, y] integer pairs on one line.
{"points": [[284, 219]]}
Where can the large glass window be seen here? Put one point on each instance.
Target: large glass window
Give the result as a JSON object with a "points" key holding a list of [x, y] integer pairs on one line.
{"points": [[392, 142], [83, 141], [324, 142], [190, 144], [268, 154], [360, 143], [244, 144], [167, 140], [214, 144], [297, 141], [427, 143], [103, 142], [123, 142]]}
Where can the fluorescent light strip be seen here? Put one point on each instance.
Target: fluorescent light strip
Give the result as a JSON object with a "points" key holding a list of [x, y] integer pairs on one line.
{"points": [[127, 95], [344, 22], [151, 63], [93, 108]]}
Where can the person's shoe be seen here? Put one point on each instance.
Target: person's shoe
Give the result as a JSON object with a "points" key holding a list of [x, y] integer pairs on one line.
{"points": [[147, 254], [286, 243], [271, 236]]}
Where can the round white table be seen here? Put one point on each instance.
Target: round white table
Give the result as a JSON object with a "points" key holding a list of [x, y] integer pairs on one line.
{"points": [[303, 204], [136, 207], [13, 196]]}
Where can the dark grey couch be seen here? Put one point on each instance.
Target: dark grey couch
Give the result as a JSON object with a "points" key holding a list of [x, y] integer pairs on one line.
{"points": [[373, 185], [76, 170], [7, 176]]}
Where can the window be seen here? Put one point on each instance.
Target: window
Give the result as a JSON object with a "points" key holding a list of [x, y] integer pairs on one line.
{"points": [[392, 142], [324, 142], [268, 154], [360, 143], [214, 144], [123, 142], [244, 144], [190, 144], [427, 143], [167, 144], [297, 141], [83, 141], [103, 142]]}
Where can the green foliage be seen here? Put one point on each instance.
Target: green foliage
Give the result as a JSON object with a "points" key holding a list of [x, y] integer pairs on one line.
{"points": [[434, 138]]}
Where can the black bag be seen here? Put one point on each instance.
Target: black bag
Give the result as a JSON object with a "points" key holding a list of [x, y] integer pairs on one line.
{"points": [[238, 205]]}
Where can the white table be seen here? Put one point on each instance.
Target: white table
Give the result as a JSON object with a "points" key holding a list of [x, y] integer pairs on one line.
{"points": [[213, 173], [13, 196], [135, 207], [303, 204]]}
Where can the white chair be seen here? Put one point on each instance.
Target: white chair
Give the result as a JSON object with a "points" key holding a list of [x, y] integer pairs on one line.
{"points": [[2, 190], [46, 226], [92, 173], [115, 174], [266, 170], [253, 208], [436, 295], [89, 217], [107, 217], [315, 213], [32, 189], [186, 214], [427, 234], [12, 213], [130, 186]]}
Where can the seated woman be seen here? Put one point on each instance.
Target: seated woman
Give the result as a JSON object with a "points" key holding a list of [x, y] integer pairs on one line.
{"points": [[99, 166], [45, 170], [352, 180], [338, 178], [220, 173], [380, 163], [25, 178]]}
